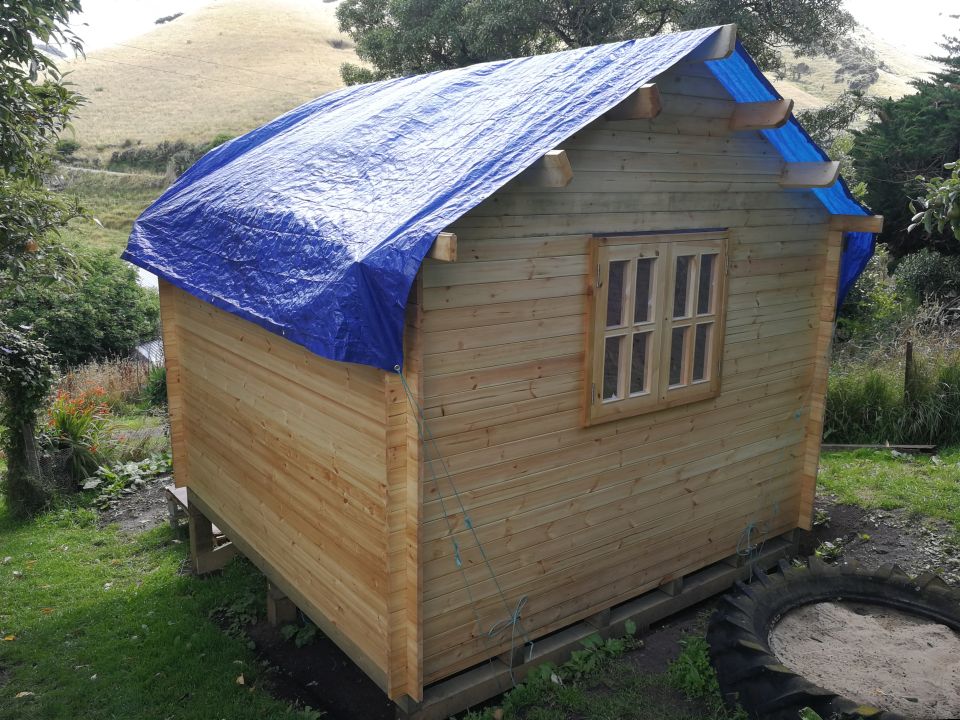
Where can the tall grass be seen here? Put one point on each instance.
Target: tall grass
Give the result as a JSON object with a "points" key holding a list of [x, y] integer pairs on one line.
{"points": [[122, 382], [868, 403]]}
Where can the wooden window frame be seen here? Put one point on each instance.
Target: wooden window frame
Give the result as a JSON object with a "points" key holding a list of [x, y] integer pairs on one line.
{"points": [[663, 249]]}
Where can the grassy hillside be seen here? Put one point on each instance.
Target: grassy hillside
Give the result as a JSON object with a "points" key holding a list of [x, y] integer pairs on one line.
{"points": [[226, 68], [829, 76]]}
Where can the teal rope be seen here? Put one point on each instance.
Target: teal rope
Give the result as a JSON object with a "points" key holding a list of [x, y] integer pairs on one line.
{"points": [[514, 616]]}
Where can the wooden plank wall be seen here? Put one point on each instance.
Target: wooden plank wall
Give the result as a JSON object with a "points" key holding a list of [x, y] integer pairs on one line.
{"points": [[577, 519], [290, 449]]}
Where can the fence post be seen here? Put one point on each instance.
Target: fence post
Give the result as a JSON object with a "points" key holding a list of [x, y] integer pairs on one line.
{"points": [[908, 376]]}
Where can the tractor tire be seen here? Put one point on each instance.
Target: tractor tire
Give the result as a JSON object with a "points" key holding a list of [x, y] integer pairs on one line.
{"points": [[751, 675]]}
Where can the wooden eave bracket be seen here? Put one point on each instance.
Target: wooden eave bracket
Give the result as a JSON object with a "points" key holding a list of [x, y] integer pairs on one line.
{"points": [[444, 248], [761, 115], [717, 47], [552, 170], [856, 223], [642, 104], [809, 174]]}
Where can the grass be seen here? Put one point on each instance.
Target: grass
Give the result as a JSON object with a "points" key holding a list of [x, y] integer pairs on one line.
{"points": [[115, 200], [866, 402], [100, 624], [225, 68], [879, 479]]}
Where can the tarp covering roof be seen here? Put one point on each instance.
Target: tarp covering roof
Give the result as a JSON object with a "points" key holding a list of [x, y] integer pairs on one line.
{"points": [[314, 225]]}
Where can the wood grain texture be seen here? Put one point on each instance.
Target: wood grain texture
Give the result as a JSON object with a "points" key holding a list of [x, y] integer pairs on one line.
{"points": [[291, 451], [577, 518], [176, 402]]}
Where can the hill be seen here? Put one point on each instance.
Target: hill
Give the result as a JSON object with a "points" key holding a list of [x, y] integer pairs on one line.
{"points": [[235, 64], [222, 69], [868, 63]]}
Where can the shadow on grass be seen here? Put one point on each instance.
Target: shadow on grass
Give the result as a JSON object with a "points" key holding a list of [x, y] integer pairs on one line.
{"points": [[103, 625]]}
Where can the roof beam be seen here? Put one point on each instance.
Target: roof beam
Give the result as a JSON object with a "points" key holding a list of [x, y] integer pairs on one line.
{"points": [[642, 104], [444, 248], [857, 223], [551, 170], [761, 115], [718, 46], [809, 174]]}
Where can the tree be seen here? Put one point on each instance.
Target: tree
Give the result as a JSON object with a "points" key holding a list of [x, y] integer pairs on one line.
{"points": [[404, 37], [101, 313], [909, 139], [939, 209], [26, 374], [35, 106]]}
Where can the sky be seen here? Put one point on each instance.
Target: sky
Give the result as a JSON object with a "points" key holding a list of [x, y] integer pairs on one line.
{"points": [[916, 26], [917, 29]]}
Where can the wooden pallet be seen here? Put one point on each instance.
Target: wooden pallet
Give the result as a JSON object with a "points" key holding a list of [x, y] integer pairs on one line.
{"points": [[485, 681]]}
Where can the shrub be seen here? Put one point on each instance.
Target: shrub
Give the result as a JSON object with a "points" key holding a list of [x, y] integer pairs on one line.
{"points": [[26, 373], [156, 390], [928, 275], [78, 423], [102, 313]]}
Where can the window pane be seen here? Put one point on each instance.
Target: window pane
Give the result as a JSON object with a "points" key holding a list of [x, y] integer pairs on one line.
{"points": [[700, 351], [642, 310], [638, 365], [678, 341], [615, 293], [705, 290], [680, 293], [611, 367]]}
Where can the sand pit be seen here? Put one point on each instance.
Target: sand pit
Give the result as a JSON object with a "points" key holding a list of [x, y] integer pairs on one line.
{"points": [[875, 655]]}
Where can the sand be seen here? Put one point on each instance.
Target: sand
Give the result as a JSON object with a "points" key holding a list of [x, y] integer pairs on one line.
{"points": [[874, 655]]}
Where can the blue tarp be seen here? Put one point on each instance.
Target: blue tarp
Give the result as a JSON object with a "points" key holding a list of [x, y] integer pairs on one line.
{"points": [[314, 225], [741, 77]]}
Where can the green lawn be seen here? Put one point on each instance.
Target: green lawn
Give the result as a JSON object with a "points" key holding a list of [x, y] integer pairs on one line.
{"points": [[878, 479], [96, 624]]}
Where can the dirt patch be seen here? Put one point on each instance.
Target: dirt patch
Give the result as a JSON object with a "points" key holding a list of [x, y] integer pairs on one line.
{"points": [[877, 537], [320, 676], [873, 654], [138, 508]]}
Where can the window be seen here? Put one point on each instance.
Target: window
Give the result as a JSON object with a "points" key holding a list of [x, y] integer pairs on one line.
{"points": [[656, 326]]}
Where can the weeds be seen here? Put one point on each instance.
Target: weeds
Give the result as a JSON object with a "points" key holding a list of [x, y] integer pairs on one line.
{"points": [[693, 675], [300, 634]]}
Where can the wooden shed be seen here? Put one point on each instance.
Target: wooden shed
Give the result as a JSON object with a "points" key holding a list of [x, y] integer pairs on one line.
{"points": [[613, 349]]}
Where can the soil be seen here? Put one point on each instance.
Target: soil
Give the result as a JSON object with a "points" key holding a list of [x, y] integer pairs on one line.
{"points": [[322, 677], [139, 508], [878, 537], [885, 658]]}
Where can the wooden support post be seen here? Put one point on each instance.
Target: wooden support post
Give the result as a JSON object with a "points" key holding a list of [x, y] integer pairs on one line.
{"points": [[857, 223], [280, 608], [552, 170], [444, 248], [761, 115], [207, 557], [809, 174], [173, 511], [642, 104]]}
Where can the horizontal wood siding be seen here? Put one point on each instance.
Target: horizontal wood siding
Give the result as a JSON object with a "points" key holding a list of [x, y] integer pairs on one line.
{"points": [[576, 519], [290, 449]]}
